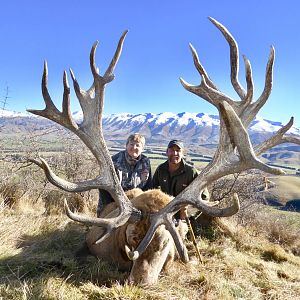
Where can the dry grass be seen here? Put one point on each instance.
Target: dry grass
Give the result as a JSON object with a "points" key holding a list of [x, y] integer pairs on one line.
{"points": [[37, 262], [254, 256]]}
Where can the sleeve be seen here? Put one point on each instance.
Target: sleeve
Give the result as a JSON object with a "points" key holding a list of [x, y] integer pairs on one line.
{"points": [[195, 173], [148, 184], [117, 161], [155, 181]]}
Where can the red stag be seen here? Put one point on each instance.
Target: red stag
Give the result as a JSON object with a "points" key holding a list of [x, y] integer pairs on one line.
{"points": [[145, 222]]}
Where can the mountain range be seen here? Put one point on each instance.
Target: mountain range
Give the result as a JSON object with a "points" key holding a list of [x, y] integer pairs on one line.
{"points": [[192, 128]]}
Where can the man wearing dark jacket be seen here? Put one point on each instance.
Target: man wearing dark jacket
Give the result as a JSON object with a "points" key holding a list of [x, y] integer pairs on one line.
{"points": [[174, 175]]}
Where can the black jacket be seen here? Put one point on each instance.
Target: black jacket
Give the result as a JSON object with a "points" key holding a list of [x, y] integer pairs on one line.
{"points": [[175, 183]]}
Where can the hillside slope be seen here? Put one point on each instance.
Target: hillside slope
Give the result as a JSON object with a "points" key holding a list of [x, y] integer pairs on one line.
{"points": [[284, 191]]}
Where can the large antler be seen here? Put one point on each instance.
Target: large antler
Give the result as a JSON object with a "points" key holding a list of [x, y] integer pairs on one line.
{"points": [[235, 152], [90, 132]]}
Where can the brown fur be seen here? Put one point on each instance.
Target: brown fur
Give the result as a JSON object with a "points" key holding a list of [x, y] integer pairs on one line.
{"points": [[160, 252]]}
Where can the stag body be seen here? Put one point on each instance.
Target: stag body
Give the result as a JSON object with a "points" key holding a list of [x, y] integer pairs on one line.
{"points": [[160, 252]]}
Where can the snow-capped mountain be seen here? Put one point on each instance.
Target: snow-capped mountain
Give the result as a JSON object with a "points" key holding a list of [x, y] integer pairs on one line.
{"points": [[12, 114], [197, 128], [191, 127]]}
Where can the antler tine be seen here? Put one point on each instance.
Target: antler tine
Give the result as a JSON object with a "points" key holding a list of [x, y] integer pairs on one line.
{"points": [[155, 222], [93, 66], [89, 221], [278, 138], [114, 61], [204, 91], [291, 139], [249, 114], [200, 68], [268, 83], [239, 135], [66, 111], [248, 98], [234, 58], [64, 184], [47, 99], [50, 111], [66, 97], [182, 251], [207, 89], [89, 102], [80, 94]]}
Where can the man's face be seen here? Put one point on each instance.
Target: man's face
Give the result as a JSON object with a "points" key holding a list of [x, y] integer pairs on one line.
{"points": [[134, 149], [174, 154]]}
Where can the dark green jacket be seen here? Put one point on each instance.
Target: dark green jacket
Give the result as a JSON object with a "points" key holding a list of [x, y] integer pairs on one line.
{"points": [[175, 183]]}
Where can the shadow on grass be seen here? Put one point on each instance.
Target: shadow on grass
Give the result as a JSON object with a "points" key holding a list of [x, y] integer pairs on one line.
{"points": [[52, 254], [291, 205]]}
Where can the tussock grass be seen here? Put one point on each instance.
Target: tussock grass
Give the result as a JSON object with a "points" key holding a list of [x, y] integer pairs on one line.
{"points": [[274, 253], [37, 261], [54, 199], [11, 193]]}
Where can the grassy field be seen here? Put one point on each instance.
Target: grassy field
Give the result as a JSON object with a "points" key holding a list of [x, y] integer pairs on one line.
{"points": [[37, 262], [254, 255]]}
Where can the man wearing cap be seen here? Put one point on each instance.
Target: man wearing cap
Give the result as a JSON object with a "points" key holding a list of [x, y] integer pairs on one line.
{"points": [[174, 175]]}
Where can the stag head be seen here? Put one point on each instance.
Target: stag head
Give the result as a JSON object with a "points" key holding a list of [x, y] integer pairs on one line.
{"points": [[234, 154]]}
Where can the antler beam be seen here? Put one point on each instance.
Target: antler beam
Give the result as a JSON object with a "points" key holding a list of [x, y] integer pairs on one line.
{"points": [[235, 152], [90, 132]]}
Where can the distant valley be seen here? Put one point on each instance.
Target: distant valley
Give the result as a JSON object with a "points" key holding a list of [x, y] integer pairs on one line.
{"points": [[199, 131]]}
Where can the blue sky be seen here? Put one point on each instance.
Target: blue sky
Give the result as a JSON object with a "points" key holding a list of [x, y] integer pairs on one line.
{"points": [[155, 52]]}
